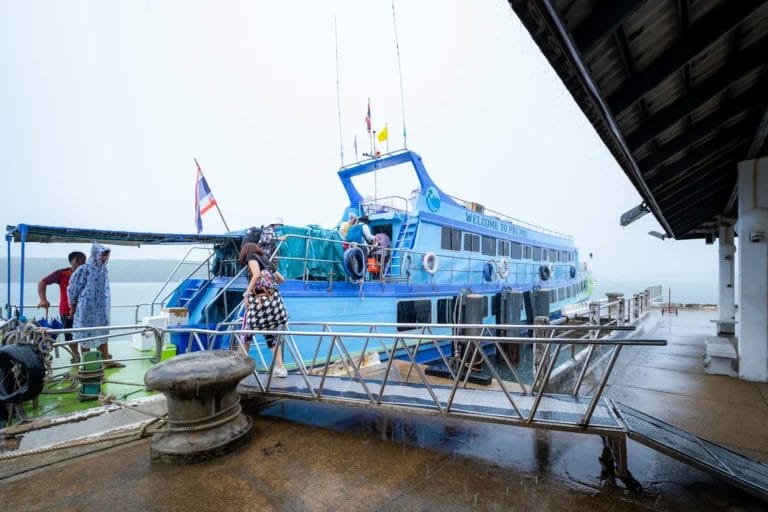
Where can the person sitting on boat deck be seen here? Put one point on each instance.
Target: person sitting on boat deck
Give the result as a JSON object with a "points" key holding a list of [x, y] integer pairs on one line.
{"points": [[380, 249], [263, 278], [359, 233], [89, 298], [61, 278], [268, 237]]}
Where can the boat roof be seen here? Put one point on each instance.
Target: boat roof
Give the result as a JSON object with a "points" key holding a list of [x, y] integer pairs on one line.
{"points": [[384, 161], [67, 235]]}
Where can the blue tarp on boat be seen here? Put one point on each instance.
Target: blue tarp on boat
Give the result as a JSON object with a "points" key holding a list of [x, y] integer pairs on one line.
{"points": [[318, 250]]}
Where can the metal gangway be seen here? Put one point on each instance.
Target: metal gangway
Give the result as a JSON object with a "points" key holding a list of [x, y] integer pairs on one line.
{"points": [[337, 374]]}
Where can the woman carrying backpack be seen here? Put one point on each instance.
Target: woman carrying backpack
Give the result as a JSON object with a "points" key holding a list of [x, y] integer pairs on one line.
{"points": [[265, 309]]}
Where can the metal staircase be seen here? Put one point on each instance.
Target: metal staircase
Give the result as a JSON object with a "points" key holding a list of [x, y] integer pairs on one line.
{"points": [[405, 240]]}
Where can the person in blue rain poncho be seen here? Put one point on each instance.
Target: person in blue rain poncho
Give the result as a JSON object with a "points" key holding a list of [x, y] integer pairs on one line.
{"points": [[89, 299]]}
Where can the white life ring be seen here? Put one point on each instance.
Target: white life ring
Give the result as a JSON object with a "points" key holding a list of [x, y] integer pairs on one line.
{"points": [[502, 268], [429, 262]]}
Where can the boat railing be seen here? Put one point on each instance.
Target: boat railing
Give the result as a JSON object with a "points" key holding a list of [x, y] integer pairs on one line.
{"points": [[46, 339], [451, 270], [492, 213], [396, 204], [183, 261], [223, 291], [7, 326]]}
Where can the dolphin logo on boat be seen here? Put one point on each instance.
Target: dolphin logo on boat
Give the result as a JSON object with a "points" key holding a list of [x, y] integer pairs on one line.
{"points": [[433, 199]]}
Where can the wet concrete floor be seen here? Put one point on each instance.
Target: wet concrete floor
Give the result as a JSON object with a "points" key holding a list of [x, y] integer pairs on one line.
{"points": [[317, 457], [367, 460], [670, 383]]}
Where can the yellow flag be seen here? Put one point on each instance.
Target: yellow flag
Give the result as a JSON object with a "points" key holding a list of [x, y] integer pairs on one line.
{"points": [[382, 136]]}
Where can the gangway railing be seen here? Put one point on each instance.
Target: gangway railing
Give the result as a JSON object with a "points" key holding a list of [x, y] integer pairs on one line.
{"points": [[515, 402]]}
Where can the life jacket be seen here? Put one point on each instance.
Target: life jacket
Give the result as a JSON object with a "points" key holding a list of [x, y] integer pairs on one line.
{"points": [[355, 234]]}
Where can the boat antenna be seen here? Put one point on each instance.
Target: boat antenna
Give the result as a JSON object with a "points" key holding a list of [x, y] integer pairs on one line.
{"points": [[400, 75], [338, 90]]}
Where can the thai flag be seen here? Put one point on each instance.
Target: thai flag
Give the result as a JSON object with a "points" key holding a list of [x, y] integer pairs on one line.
{"points": [[204, 199], [368, 117]]}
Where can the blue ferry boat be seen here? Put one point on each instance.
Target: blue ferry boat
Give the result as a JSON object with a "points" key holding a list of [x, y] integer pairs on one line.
{"points": [[441, 247]]}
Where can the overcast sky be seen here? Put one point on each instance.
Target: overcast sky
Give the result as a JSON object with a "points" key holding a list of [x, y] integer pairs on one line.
{"points": [[104, 105]]}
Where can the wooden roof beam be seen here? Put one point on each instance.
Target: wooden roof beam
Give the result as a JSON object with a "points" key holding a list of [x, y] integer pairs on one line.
{"points": [[711, 151], [711, 27], [696, 181], [750, 59], [697, 131], [602, 22]]}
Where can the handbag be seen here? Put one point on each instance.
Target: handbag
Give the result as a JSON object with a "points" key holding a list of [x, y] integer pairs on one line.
{"points": [[266, 311]]}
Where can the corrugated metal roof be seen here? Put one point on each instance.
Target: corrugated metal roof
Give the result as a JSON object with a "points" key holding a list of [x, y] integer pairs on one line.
{"points": [[676, 89]]}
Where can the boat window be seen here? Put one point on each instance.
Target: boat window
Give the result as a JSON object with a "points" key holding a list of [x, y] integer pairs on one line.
{"points": [[414, 312], [516, 250], [544, 255], [471, 242], [569, 291], [445, 310], [552, 255], [563, 257], [489, 246], [503, 249], [450, 239], [527, 252], [561, 294], [536, 253]]}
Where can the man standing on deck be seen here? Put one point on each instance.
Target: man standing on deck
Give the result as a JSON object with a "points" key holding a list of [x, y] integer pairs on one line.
{"points": [[61, 278]]}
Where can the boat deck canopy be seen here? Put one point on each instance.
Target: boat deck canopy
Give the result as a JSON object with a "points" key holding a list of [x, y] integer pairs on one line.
{"points": [[53, 234], [676, 89]]}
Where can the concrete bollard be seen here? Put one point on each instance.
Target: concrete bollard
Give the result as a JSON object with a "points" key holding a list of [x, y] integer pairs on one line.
{"points": [[613, 310], [594, 313], [622, 311], [204, 416]]}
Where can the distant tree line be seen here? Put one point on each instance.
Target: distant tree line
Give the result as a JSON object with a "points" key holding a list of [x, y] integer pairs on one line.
{"points": [[120, 271]]}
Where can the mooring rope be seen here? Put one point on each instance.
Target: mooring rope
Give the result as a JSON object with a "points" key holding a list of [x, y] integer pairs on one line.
{"points": [[78, 443]]}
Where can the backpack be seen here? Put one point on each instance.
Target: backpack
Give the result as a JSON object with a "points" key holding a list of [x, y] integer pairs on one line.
{"points": [[267, 239], [253, 235]]}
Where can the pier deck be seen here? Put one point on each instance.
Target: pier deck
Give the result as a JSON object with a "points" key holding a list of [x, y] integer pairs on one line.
{"points": [[384, 460]]}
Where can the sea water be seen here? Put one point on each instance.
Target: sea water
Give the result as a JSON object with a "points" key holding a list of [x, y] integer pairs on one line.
{"points": [[686, 288], [130, 301]]}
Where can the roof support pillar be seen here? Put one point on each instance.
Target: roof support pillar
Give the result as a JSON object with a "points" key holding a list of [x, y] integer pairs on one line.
{"points": [[752, 317], [726, 283]]}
